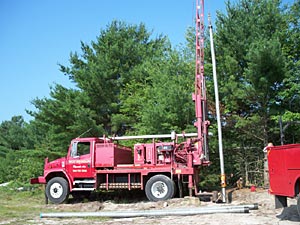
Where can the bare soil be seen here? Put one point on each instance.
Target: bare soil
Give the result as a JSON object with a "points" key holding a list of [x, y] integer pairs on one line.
{"points": [[266, 214]]}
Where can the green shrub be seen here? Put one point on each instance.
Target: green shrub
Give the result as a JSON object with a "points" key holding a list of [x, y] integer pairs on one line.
{"points": [[21, 165]]}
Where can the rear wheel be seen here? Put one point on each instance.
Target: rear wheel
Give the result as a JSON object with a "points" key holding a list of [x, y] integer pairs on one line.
{"points": [[159, 187], [57, 190]]}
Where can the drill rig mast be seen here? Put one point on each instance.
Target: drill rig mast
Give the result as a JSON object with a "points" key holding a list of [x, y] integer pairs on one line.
{"points": [[200, 90]]}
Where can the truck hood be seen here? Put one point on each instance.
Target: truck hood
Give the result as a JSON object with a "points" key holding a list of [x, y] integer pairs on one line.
{"points": [[55, 164]]}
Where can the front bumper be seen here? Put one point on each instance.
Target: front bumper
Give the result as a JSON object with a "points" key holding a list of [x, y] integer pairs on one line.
{"points": [[38, 180]]}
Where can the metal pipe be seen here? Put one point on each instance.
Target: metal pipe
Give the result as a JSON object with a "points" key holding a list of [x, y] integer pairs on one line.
{"points": [[223, 182], [253, 206], [250, 206], [153, 136], [147, 213]]}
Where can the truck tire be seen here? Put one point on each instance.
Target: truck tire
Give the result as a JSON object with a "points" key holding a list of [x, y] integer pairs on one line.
{"points": [[57, 190], [159, 188], [298, 205]]}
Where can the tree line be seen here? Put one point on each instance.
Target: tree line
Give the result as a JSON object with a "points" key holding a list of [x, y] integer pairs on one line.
{"points": [[129, 82]]}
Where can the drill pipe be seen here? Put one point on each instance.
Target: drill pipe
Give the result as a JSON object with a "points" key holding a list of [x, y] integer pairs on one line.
{"points": [[149, 213]]}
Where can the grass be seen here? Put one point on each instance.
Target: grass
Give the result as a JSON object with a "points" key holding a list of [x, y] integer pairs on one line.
{"points": [[24, 207], [17, 207]]}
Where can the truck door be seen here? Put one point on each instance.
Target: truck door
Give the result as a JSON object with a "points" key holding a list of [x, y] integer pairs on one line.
{"points": [[79, 163], [278, 173]]}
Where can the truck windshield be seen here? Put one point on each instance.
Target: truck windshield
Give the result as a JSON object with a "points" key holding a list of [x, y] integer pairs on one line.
{"points": [[74, 149]]}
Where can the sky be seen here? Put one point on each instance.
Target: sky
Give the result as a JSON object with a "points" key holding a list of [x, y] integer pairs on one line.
{"points": [[36, 36]]}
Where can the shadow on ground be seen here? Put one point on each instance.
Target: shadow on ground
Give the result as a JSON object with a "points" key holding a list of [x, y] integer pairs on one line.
{"points": [[289, 213], [122, 196]]}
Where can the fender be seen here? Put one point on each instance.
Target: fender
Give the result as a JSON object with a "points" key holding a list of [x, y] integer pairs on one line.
{"points": [[51, 174]]}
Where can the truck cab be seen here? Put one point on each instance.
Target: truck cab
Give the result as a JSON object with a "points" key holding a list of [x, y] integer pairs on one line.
{"points": [[70, 174]]}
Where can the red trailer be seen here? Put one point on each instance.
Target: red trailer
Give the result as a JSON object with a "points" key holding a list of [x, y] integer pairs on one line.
{"points": [[284, 173]]}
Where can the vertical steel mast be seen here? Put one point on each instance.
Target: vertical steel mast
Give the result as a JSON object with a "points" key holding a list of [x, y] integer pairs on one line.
{"points": [[200, 91]]}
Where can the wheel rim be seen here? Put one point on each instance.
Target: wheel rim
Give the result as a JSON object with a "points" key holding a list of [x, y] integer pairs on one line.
{"points": [[159, 189], [56, 190]]}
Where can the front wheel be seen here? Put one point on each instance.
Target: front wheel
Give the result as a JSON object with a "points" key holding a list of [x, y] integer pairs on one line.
{"points": [[159, 188], [57, 190]]}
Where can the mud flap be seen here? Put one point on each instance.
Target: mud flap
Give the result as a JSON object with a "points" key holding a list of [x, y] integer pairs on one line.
{"points": [[280, 201]]}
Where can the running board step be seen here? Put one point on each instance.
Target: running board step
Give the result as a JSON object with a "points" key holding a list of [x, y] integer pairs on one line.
{"points": [[84, 182], [83, 189]]}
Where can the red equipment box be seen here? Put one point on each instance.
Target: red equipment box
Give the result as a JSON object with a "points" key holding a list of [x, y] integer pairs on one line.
{"points": [[284, 169], [110, 155]]}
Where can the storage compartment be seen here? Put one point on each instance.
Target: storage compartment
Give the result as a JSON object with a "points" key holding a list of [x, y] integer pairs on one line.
{"points": [[284, 169], [110, 155]]}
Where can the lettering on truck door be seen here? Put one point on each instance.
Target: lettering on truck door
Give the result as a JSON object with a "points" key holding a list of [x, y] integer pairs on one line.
{"points": [[79, 162]]}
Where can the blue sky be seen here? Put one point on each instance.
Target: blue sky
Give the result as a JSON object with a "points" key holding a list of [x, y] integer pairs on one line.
{"points": [[36, 35]]}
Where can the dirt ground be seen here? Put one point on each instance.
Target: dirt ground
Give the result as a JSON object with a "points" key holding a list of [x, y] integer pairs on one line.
{"points": [[266, 213]]}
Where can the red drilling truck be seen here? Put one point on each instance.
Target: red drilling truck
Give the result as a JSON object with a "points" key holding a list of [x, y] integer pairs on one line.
{"points": [[158, 168], [284, 173]]}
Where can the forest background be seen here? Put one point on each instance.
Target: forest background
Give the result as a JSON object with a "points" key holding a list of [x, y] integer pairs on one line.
{"points": [[128, 82]]}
